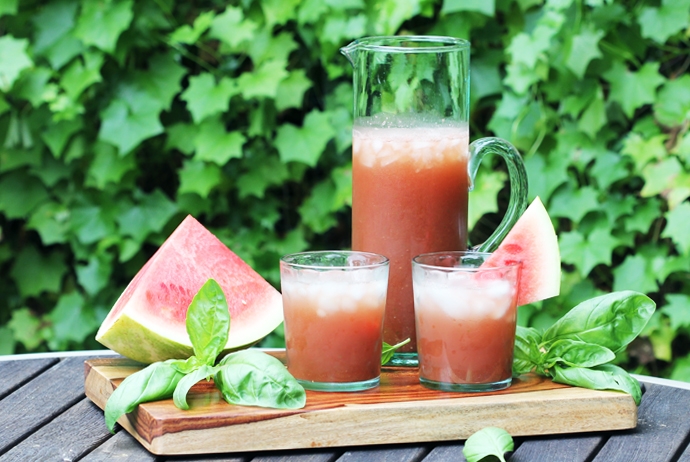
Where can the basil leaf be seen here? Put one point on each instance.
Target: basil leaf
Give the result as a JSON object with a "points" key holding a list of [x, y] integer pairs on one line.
{"points": [[603, 377], [387, 351], [611, 320], [576, 353], [188, 381], [154, 382], [186, 365], [208, 322], [489, 441], [526, 354], [254, 378]]}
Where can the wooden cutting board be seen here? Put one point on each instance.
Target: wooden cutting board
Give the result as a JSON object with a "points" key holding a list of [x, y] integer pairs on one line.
{"points": [[400, 410]]}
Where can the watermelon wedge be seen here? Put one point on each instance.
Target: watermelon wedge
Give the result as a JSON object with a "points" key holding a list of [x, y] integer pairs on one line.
{"points": [[147, 323], [533, 242]]}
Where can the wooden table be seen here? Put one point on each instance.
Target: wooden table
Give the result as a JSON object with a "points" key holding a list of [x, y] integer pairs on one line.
{"points": [[45, 416]]}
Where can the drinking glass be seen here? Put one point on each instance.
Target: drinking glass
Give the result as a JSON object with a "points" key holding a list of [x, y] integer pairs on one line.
{"points": [[334, 304], [465, 314]]}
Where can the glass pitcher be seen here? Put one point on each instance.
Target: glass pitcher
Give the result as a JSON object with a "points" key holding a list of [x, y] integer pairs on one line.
{"points": [[412, 163]]}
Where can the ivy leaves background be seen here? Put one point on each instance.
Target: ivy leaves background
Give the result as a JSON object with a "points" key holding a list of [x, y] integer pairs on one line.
{"points": [[117, 118]]}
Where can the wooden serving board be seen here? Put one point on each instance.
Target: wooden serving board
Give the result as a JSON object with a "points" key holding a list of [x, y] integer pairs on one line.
{"points": [[400, 410]]}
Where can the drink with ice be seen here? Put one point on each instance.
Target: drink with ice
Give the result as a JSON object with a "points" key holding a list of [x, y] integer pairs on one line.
{"points": [[333, 304], [465, 319], [409, 196]]}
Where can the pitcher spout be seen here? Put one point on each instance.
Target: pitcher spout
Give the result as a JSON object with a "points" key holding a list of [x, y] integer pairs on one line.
{"points": [[350, 52]]}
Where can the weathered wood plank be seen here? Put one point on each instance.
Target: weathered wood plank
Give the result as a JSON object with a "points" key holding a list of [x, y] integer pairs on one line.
{"points": [[40, 400], [561, 448], [446, 453], [662, 431], [398, 453], [318, 455], [14, 374], [69, 436], [685, 456], [119, 447]]}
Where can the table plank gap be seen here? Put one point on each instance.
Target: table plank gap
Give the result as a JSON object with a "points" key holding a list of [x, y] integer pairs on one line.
{"points": [[120, 447], [446, 453], [14, 374], [39, 401], [71, 435]]}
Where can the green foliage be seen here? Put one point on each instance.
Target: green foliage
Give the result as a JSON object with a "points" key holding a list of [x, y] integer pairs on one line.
{"points": [[118, 118]]}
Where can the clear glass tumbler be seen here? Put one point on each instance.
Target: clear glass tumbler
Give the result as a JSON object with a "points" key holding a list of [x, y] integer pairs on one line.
{"points": [[465, 314], [334, 303]]}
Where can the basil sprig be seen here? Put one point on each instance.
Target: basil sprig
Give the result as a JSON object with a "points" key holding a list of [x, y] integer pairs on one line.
{"points": [[577, 349], [489, 441], [388, 351], [248, 377]]}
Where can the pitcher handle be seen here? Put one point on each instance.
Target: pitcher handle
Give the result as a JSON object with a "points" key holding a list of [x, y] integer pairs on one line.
{"points": [[518, 184]]}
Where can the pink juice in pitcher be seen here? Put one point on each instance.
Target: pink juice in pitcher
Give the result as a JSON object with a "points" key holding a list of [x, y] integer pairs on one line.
{"points": [[409, 196]]}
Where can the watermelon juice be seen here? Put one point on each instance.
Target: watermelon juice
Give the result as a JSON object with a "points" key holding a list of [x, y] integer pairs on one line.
{"points": [[466, 321], [409, 196], [334, 318]]}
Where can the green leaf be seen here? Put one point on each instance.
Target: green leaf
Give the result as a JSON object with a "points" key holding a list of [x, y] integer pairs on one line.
{"points": [[681, 369], [677, 311], [57, 135], [70, 322], [661, 23], [35, 272], [108, 168], [609, 167], [586, 252], [126, 129], [575, 353], [181, 136], [232, 28], [51, 221], [13, 60], [316, 210], [20, 194], [583, 50], [253, 378], [594, 116], [208, 322], [81, 74], [612, 320], [205, 97], [633, 89], [527, 352], [25, 327], [672, 106], [101, 23], [8, 7], [155, 382], [574, 203], [489, 441], [291, 90], [677, 227], [635, 273], [199, 177], [305, 144], [642, 150], [603, 377], [387, 351], [487, 7], [279, 11], [644, 215], [188, 381], [91, 223], [95, 274], [262, 172], [32, 84], [190, 34], [53, 22], [263, 81], [660, 176], [214, 144], [546, 174], [149, 216], [154, 89]]}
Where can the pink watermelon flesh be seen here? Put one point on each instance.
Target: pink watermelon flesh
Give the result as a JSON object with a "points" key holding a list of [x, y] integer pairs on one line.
{"points": [[533, 243], [147, 323]]}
